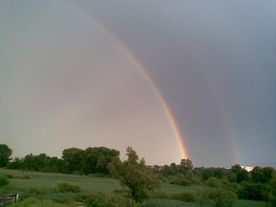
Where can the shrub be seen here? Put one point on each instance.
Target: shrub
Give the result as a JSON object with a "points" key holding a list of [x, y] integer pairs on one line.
{"points": [[38, 191], [134, 175], [185, 180], [181, 180], [3, 181], [10, 176], [185, 196], [113, 200], [254, 191], [214, 182], [94, 201], [272, 200], [66, 187], [223, 198], [34, 202], [202, 197]]}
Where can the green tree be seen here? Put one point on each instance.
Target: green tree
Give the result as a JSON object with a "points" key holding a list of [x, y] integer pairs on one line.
{"points": [[185, 166], [238, 174], [96, 160], [3, 181], [173, 169], [254, 191], [72, 158], [257, 175], [267, 174], [215, 182], [262, 175], [272, 195], [5, 153], [17, 163], [134, 175]]}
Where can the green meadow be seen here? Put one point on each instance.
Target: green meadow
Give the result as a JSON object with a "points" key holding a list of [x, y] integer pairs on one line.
{"points": [[22, 181], [25, 180], [38, 189]]}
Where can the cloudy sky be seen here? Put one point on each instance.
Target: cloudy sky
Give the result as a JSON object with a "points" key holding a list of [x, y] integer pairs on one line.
{"points": [[98, 73]]}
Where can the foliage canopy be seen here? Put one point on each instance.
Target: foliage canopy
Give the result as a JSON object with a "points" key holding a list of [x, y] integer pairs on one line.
{"points": [[5, 153], [134, 175]]}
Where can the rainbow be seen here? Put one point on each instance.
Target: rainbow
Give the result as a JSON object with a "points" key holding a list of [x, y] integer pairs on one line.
{"points": [[164, 104], [219, 106], [147, 77], [157, 92], [224, 118]]}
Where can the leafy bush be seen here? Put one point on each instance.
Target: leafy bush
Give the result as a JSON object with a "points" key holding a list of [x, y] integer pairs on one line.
{"points": [[272, 200], [113, 200], [214, 182], [38, 191], [223, 197], [202, 197], [181, 180], [166, 203], [10, 176], [134, 175], [94, 201], [3, 181], [34, 202], [58, 197], [272, 194], [185, 196], [185, 180], [66, 187], [254, 191]]}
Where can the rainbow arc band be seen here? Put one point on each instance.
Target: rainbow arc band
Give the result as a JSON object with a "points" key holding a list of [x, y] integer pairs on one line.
{"points": [[157, 92], [164, 105]]}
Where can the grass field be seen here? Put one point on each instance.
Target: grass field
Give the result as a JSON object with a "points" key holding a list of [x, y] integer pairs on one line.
{"points": [[24, 181], [177, 203]]}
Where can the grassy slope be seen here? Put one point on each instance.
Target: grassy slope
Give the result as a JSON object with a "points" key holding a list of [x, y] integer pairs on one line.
{"points": [[176, 203], [170, 188], [87, 183], [50, 180], [33, 202], [94, 185], [168, 203]]}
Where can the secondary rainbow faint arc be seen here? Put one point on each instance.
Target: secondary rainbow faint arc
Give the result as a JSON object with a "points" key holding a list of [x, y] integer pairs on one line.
{"points": [[140, 67]]}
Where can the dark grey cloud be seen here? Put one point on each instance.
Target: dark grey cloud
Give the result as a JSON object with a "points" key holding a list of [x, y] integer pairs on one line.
{"points": [[215, 63]]}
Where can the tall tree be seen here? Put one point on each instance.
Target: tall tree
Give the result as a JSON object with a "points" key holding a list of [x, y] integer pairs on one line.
{"points": [[96, 159], [134, 175], [238, 174], [185, 166], [72, 158], [261, 175], [5, 154]]}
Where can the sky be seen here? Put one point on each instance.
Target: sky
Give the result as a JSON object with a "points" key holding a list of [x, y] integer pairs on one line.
{"points": [[173, 79]]}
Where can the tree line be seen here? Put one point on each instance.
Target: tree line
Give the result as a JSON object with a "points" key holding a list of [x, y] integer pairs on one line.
{"points": [[258, 184], [136, 178], [73, 161]]}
